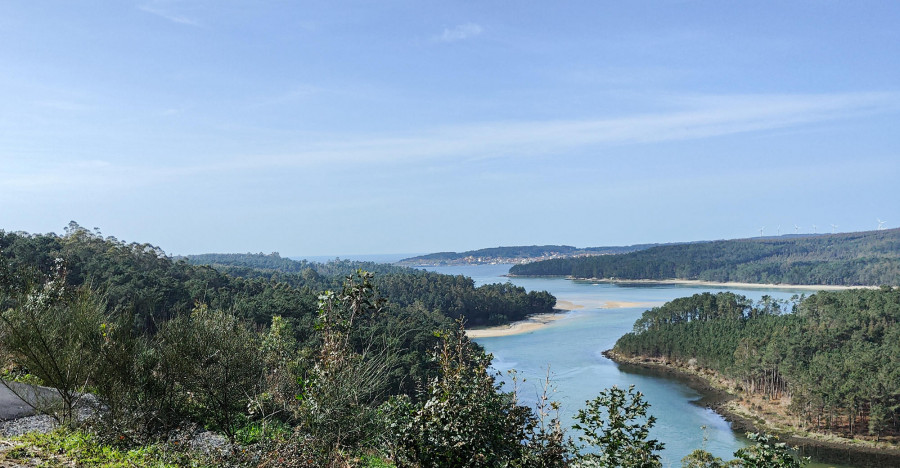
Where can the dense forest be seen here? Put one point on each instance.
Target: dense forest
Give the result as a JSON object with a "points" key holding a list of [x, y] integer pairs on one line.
{"points": [[274, 262], [834, 357], [517, 253], [143, 278], [293, 366], [862, 258], [142, 282], [453, 296]]}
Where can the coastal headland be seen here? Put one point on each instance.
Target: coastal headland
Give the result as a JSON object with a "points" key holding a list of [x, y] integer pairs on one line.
{"points": [[684, 282], [715, 284]]}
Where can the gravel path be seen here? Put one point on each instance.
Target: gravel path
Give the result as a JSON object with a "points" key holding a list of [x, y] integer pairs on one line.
{"points": [[18, 417], [11, 406], [17, 427]]}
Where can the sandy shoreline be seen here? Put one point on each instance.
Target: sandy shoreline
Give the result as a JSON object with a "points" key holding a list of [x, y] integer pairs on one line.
{"points": [[542, 320], [730, 284], [523, 326]]}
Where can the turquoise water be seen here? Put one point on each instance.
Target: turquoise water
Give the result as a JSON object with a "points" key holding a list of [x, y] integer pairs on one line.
{"points": [[571, 348]]}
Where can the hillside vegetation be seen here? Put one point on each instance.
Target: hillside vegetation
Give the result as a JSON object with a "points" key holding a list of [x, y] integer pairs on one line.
{"points": [[832, 361], [454, 296], [862, 258], [291, 374], [293, 363]]}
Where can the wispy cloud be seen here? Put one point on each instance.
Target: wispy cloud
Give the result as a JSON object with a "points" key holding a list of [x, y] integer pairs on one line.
{"points": [[699, 117], [163, 13], [459, 33]]}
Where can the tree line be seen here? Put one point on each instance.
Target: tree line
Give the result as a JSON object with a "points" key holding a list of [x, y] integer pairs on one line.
{"points": [[834, 356], [152, 347], [454, 296], [863, 258], [518, 252], [154, 286], [327, 402]]}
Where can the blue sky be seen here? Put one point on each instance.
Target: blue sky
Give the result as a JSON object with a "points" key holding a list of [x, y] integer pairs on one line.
{"points": [[319, 128]]}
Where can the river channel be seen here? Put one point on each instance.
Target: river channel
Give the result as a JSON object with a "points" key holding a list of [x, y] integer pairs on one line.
{"points": [[572, 347]]}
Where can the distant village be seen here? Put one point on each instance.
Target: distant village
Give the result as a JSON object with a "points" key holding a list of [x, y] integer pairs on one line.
{"points": [[489, 260]]}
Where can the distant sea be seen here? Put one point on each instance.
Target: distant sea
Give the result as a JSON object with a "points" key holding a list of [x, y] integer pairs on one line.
{"points": [[377, 258]]}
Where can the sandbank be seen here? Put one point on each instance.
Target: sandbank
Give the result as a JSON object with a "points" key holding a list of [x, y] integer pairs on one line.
{"points": [[567, 305], [538, 321], [516, 328]]}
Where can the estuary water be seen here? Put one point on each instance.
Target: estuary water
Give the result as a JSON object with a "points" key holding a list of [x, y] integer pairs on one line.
{"points": [[572, 347]]}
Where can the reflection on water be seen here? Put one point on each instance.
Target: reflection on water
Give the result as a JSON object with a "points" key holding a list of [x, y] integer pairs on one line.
{"points": [[572, 348]]}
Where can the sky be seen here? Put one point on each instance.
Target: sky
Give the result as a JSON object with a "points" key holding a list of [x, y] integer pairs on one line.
{"points": [[337, 128]]}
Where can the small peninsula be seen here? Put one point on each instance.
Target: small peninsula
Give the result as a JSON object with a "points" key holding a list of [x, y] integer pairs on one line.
{"points": [[783, 366], [869, 258]]}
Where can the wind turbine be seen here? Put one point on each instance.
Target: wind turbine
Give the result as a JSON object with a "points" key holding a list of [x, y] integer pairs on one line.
{"points": [[833, 227], [796, 229], [761, 231], [778, 229], [814, 228], [880, 224]]}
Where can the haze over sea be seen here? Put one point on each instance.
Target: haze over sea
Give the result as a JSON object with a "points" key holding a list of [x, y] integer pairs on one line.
{"points": [[572, 348]]}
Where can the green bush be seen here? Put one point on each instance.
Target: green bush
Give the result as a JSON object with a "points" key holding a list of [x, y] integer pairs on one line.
{"points": [[339, 394], [612, 423], [767, 453], [48, 332], [703, 459], [215, 364], [463, 420]]}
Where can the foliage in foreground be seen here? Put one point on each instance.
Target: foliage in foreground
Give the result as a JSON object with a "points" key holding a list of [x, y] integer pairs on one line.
{"points": [[765, 453], [616, 423], [65, 447], [463, 419], [51, 332], [330, 395]]}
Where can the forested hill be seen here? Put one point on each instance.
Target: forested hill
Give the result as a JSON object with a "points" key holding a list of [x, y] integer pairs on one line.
{"points": [[275, 262], [834, 358], [859, 258], [516, 254], [453, 296], [154, 286]]}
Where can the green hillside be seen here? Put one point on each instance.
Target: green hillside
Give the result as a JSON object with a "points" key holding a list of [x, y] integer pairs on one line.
{"points": [[834, 358], [515, 254], [452, 296], [858, 258]]}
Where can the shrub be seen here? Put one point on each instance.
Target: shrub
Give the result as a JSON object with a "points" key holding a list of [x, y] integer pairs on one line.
{"points": [[621, 438], [767, 453], [48, 332], [463, 419], [215, 365], [703, 459], [339, 394]]}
